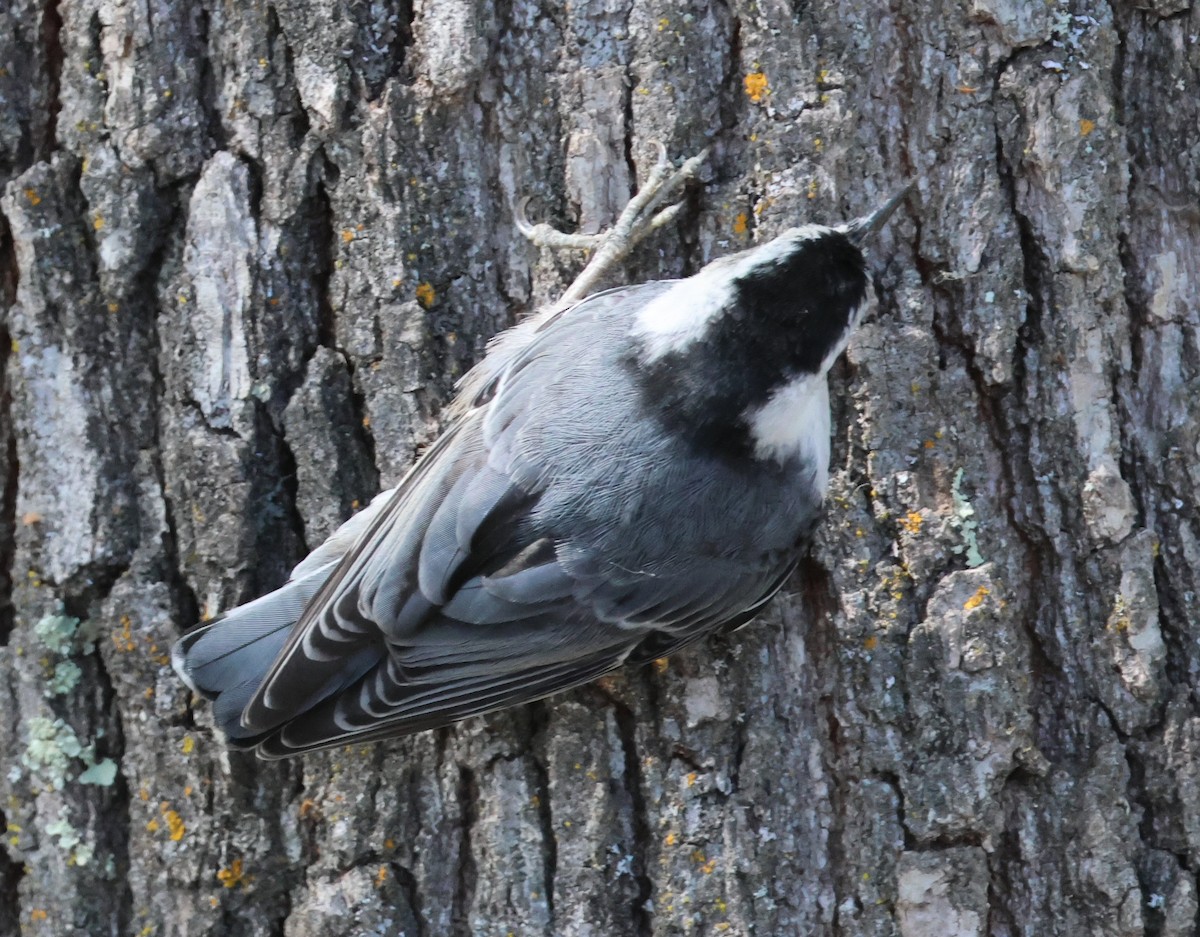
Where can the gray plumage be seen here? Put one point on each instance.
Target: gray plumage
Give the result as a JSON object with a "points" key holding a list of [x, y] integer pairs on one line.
{"points": [[558, 528]]}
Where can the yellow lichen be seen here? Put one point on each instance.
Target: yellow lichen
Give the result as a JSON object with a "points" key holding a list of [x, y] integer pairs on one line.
{"points": [[977, 599], [425, 295], [912, 522], [98, 222], [175, 825], [756, 86], [188, 745], [33, 197], [232, 876], [1086, 126], [739, 223]]}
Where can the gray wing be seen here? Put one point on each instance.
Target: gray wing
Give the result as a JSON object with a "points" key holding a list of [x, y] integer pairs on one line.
{"points": [[525, 555]]}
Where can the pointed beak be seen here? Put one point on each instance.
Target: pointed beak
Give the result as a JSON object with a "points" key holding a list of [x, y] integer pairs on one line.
{"points": [[862, 228]]}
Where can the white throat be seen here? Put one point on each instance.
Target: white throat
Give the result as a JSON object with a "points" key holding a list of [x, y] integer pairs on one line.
{"points": [[795, 423]]}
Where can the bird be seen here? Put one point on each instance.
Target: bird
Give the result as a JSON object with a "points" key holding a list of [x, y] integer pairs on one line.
{"points": [[619, 477]]}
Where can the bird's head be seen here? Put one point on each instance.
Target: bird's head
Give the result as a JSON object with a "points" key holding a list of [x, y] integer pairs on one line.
{"points": [[722, 343]]}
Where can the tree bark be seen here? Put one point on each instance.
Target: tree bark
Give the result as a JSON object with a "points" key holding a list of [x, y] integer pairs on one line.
{"points": [[247, 248]]}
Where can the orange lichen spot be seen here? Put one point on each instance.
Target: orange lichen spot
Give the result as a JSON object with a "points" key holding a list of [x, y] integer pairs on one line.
{"points": [[389, 844], [123, 636], [29, 518], [366, 422], [812, 188], [188, 745], [143, 793], [175, 825], [691, 778], [930, 444], [1086, 126], [212, 901], [309, 809], [912, 522], [965, 89], [232, 876], [756, 86], [37, 915], [168, 93], [187, 791], [739, 223], [148, 693], [535, 801], [396, 281], [661, 664], [114, 307], [32, 197], [663, 24], [347, 236], [871, 643], [425, 295], [977, 599], [273, 301], [152, 826], [98, 222], [381, 876], [669, 840]]}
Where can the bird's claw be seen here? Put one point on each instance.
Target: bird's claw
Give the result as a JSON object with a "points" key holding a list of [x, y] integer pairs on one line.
{"points": [[640, 217]]}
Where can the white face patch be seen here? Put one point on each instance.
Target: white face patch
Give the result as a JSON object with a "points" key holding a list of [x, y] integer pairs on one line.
{"points": [[795, 423], [683, 314]]}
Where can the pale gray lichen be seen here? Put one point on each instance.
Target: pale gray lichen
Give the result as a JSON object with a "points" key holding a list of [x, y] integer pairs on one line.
{"points": [[964, 522]]}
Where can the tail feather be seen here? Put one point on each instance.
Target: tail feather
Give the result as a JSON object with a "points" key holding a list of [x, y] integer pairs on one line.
{"points": [[226, 660]]}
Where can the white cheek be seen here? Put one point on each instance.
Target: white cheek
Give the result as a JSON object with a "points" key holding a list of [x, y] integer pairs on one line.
{"points": [[680, 316], [795, 423]]}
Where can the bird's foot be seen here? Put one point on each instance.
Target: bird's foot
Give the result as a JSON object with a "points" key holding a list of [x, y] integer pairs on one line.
{"points": [[642, 216]]}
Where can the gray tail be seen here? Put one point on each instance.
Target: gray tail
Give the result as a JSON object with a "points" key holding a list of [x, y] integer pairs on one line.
{"points": [[227, 659]]}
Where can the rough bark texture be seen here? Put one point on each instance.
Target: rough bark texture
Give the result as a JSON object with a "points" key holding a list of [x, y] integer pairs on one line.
{"points": [[245, 250]]}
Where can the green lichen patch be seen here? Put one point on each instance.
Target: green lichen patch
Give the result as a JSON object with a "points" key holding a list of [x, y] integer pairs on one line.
{"points": [[53, 748], [63, 637], [964, 522]]}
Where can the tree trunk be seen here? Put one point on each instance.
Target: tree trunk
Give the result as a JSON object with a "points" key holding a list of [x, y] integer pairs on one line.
{"points": [[247, 248]]}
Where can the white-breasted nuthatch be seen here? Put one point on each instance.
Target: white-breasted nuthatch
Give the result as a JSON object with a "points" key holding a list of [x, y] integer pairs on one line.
{"points": [[619, 478]]}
